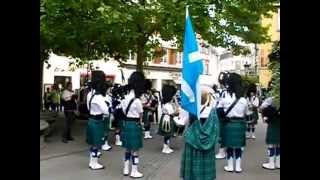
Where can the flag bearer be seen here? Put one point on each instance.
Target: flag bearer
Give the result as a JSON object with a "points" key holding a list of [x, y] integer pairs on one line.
{"points": [[201, 136]]}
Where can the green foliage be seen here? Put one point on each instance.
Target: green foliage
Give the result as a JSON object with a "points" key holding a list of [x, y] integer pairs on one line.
{"points": [[93, 29], [274, 66]]}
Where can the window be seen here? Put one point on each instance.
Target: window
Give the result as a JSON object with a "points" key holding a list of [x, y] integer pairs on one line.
{"points": [[179, 57], [172, 55], [164, 58], [206, 67], [263, 62]]}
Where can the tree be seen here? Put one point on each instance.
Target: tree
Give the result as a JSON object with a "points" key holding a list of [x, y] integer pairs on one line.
{"points": [[274, 66], [92, 29]]}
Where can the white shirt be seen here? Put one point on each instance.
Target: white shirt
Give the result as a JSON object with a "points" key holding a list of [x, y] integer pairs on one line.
{"points": [[252, 102], [98, 104], [206, 112], [66, 95], [220, 95], [136, 107], [108, 99], [168, 108], [146, 98], [267, 102], [239, 110]]}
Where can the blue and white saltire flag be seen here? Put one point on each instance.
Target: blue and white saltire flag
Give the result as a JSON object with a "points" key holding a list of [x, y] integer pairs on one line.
{"points": [[192, 68]]}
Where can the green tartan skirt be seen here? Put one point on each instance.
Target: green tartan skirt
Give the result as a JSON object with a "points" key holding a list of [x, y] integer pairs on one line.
{"points": [[146, 118], [221, 132], [106, 125], [198, 164], [234, 135], [131, 135], [95, 132], [169, 131], [253, 118], [273, 133]]}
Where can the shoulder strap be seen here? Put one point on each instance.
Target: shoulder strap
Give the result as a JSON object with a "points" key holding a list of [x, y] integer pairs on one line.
{"points": [[91, 101], [231, 107], [128, 107], [204, 107]]}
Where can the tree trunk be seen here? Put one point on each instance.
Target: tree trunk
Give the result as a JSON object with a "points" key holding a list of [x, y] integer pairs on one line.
{"points": [[140, 56]]}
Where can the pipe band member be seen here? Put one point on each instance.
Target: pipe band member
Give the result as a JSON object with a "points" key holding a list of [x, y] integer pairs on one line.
{"points": [[166, 125], [146, 100], [96, 126], [201, 136], [253, 116], [131, 134], [235, 107], [220, 95], [271, 115], [107, 118]]}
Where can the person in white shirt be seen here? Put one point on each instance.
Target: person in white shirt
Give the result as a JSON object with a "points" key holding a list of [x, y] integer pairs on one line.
{"points": [[70, 106], [220, 95], [169, 111], [98, 108], [107, 117], [271, 115], [201, 136], [146, 100], [131, 133], [235, 107], [253, 116]]}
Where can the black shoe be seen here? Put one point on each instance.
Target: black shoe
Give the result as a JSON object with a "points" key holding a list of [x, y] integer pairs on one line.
{"points": [[64, 140], [70, 139]]}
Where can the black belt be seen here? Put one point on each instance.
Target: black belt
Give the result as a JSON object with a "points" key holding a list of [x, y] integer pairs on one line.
{"points": [[132, 119], [235, 118], [202, 120], [96, 117]]}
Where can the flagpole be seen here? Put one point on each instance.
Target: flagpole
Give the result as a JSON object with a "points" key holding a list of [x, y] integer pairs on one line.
{"points": [[187, 11]]}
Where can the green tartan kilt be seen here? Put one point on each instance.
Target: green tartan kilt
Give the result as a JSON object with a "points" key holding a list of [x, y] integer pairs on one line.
{"points": [[106, 125], [221, 132], [146, 119], [163, 132], [273, 133], [234, 135], [197, 164], [95, 132], [253, 118], [131, 135]]}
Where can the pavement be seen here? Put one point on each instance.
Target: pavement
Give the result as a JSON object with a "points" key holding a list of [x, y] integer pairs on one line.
{"points": [[59, 161]]}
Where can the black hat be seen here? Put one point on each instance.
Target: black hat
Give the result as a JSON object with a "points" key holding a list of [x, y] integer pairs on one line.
{"points": [[168, 92], [235, 84], [137, 82]]}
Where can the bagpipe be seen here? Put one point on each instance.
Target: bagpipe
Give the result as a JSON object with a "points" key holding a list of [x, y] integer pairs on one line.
{"points": [[270, 113]]}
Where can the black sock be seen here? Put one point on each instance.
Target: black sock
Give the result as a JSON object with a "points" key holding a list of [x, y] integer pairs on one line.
{"points": [[238, 152], [271, 151], [135, 160], [127, 156], [229, 153], [277, 151], [166, 140]]}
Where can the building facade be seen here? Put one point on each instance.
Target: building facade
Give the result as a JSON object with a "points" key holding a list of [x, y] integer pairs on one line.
{"points": [[160, 70], [265, 49]]}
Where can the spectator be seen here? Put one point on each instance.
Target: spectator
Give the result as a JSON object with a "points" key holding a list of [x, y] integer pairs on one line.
{"points": [[70, 106], [55, 98], [47, 100]]}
